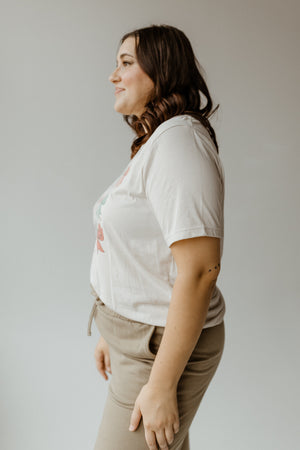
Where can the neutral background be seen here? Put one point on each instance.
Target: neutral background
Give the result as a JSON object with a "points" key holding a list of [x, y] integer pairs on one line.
{"points": [[62, 144]]}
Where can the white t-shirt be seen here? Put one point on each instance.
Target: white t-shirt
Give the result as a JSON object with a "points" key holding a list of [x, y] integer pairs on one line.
{"points": [[172, 189]]}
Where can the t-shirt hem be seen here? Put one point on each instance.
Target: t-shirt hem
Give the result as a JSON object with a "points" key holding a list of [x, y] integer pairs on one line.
{"points": [[138, 317], [194, 232]]}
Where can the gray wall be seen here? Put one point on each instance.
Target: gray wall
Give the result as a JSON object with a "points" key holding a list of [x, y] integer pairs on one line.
{"points": [[62, 144]]}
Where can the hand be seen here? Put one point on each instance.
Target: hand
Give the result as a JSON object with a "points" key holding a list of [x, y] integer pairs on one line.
{"points": [[102, 357], [159, 409]]}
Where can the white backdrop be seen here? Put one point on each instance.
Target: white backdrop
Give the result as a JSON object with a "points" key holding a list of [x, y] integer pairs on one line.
{"points": [[62, 144]]}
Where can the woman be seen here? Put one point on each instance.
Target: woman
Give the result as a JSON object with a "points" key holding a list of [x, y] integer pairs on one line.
{"points": [[159, 242]]}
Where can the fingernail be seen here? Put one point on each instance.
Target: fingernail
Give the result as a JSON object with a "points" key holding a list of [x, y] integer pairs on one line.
{"points": [[131, 428]]}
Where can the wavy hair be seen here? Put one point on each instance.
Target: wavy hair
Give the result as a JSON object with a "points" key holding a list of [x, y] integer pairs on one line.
{"points": [[165, 54]]}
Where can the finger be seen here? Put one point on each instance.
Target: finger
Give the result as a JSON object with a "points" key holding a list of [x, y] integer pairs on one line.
{"points": [[107, 362], [100, 365], [150, 439], [176, 426], [169, 434], [161, 439]]}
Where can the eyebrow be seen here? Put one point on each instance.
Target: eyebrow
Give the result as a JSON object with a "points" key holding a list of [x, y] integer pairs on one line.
{"points": [[124, 54]]}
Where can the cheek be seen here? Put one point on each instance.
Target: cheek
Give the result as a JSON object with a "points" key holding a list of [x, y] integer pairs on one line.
{"points": [[148, 86], [137, 81], [132, 78]]}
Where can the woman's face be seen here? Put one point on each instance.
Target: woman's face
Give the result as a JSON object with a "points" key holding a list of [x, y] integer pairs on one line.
{"points": [[134, 84]]}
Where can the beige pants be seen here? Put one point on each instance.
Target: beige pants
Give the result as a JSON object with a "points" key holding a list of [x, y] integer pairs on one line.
{"points": [[133, 346]]}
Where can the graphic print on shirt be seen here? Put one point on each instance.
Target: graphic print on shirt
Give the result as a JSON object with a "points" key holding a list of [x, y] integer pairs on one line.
{"points": [[100, 234]]}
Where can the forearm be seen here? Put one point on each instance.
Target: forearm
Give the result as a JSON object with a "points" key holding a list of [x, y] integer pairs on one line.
{"points": [[186, 317]]}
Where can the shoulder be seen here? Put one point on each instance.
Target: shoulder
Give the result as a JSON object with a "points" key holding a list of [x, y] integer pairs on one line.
{"points": [[182, 133], [183, 121], [182, 141], [181, 129]]}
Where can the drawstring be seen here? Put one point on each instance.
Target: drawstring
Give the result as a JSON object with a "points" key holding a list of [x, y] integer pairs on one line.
{"points": [[92, 313]]}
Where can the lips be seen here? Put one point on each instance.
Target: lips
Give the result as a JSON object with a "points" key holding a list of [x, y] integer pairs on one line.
{"points": [[118, 90]]}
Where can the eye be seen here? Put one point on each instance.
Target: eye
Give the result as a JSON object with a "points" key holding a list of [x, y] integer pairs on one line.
{"points": [[124, 62]]}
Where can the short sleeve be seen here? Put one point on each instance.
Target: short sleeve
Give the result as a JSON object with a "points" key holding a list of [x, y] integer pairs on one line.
{"points": [[184, 183]]}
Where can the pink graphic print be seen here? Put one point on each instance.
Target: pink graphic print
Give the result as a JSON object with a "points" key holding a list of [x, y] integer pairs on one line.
{"points": [[100, 237], [100, 234]]}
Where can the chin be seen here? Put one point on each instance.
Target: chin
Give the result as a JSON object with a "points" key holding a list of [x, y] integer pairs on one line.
{"points": [[121, 110], [125, 112]]}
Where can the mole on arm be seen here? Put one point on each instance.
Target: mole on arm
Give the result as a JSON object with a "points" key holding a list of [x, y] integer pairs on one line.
{"points": [[215, 267]]}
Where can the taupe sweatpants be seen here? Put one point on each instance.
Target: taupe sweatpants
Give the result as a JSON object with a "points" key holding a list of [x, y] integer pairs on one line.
{"points": [[133, 346]]}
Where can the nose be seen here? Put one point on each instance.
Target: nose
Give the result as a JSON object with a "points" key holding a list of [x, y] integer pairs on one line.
{"points": [[114, 76]]}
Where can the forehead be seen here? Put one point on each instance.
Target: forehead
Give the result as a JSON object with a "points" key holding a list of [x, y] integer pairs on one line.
{"points": [[128, 46]]}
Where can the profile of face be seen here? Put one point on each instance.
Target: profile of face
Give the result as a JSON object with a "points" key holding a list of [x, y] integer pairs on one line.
{"points": [[133, 85]]}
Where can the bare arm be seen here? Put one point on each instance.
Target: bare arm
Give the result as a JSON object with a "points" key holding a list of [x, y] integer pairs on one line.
{"points": [[198, 265]]}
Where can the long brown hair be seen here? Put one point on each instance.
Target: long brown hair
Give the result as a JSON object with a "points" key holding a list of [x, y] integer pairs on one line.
{"points": [[165, 54]]}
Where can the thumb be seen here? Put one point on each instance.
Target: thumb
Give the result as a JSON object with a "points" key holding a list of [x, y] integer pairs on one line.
{"points": [[135, 418]]}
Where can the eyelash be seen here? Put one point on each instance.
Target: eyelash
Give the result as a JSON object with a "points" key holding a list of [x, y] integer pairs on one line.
{"points": [[126, 62]]}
